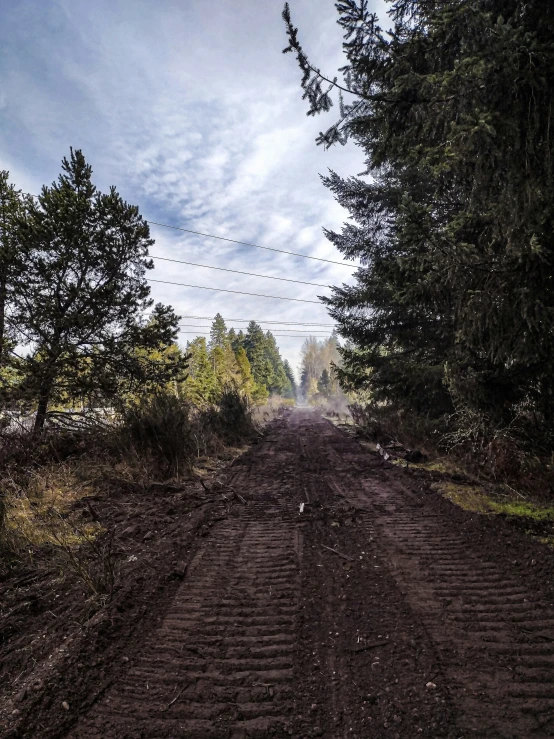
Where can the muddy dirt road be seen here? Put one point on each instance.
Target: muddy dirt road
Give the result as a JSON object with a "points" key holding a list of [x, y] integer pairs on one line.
{"points": [[379, 611]]}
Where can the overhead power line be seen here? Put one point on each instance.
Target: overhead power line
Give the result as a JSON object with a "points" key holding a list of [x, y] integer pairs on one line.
{"points": [[256, 246], [239, 272], [235, 241], [292, 330], [236, 292], [277, 336], [260, 320]]}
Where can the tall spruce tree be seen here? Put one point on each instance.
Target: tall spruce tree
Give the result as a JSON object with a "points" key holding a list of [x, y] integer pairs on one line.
{"points": [[79, 304], [255, 348], [453, 304], [278, 381], [218, 333]]}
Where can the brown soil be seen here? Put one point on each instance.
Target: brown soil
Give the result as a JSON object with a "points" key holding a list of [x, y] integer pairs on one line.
{"points": [[381, 610]]}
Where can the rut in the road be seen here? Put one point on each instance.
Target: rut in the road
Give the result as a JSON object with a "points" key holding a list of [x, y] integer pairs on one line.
{"points": [[494, 632], [221, 663], [500, 629]]}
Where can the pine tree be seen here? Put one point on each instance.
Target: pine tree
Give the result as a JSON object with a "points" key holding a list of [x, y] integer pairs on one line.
{"points": [[292, 381], [200, 386], [278, 382], [218, 333], [80, 301], [255, 348], [324, 384], [453, 305], [246, 384]]}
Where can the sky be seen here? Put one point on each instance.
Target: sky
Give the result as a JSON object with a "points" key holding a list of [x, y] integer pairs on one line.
{"points": [[193, 113]]}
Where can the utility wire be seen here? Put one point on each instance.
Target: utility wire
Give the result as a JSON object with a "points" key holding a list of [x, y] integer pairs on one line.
{"points": [[292, 330], [237, 292], [278, 336], [256, 246], [238, 272], [234, 241], [259, 320]]}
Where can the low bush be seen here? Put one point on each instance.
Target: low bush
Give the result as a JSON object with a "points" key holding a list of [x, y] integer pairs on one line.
{"points": [[231, 419], [158, 432]]}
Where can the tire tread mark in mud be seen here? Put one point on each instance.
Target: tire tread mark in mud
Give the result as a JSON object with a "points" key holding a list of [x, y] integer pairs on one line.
{"points": [[221, 663]]}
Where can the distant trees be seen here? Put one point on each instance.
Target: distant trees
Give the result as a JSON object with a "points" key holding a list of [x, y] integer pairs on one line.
{"points": [[77, 263], [453, 304], [247, 361], [319, 362]]}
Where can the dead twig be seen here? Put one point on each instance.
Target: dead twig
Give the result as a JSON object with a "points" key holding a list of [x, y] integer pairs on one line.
{"points": [[339, 554], [363, 647], [171, 702]]}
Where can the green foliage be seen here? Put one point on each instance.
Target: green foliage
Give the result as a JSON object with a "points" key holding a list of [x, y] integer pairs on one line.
{"points": [[292, 380], [218, 333], [79, 301], [200, 386], [265, 361], [453, 304], [159, 430], [232, 419], [324, 384]]}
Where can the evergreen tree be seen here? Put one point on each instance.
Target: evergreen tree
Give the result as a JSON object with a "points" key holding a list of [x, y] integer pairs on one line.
{"points": [[80, 301], [236, 339], [218, 333], [247, 384], [278, 381], [290, 376], [324, 384], [200, 386], [454, 302], [233, 340], [225, 366], [255, 348]]}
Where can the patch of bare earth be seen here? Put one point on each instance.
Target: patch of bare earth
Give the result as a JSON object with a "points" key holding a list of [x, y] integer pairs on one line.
{"points": [[379, 610]]}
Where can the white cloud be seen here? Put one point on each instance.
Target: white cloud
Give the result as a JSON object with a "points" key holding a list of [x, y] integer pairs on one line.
{"points": [[191, 110]]}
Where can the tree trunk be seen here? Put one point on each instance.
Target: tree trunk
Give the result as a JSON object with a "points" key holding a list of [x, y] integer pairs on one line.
{"points": [[3, 290], [43, 398]]}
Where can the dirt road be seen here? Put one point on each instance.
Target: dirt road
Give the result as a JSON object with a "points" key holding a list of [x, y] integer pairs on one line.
{"points": [[379, 611]]}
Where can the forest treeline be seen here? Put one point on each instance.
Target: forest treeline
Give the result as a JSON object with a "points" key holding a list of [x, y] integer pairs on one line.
{"points": [[248, 360], [451, 313]]}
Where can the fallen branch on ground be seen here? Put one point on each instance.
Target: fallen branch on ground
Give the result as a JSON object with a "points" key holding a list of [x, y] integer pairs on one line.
{"points": [[339, 554]]}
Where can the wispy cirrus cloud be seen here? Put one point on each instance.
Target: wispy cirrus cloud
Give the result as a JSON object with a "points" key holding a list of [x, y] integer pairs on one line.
{"points": [[191, 110]]}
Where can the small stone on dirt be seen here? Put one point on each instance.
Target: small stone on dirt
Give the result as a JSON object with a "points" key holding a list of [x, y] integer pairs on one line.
{"points": [[65, 706], [180, 569], [431, 686], [149, 535]]}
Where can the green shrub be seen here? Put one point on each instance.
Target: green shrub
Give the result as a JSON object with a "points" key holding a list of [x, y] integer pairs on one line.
{"points": [[231, 420], [159, 430]]}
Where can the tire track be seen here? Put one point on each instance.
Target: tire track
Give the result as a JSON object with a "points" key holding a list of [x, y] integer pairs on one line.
{"points": [[221, 663], [499, 631], [493, 630]]}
